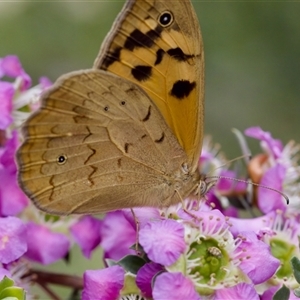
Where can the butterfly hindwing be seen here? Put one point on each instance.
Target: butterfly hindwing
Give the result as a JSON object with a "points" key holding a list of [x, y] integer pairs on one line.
{"points": [[97, 144]]}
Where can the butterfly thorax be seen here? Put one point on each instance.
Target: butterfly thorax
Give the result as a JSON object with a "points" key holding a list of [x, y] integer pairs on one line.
{"points": [[184, 184]]}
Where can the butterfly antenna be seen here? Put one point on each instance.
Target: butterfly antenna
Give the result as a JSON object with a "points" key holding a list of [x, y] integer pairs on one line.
{"points": [[232, 160], [252, 183]]}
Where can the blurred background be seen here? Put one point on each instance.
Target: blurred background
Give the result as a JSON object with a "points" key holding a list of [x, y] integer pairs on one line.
{"points": [[252, 57]]}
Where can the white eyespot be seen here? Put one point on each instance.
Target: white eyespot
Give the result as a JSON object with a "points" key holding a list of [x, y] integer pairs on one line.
{"points": [[165, 19]]}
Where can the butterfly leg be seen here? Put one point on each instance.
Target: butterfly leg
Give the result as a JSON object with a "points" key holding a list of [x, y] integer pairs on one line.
{"points": [[185, 209], [137, 227]]}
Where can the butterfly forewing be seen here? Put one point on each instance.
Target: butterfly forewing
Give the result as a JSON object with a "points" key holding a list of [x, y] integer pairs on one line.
{"points": [[158, 45]]}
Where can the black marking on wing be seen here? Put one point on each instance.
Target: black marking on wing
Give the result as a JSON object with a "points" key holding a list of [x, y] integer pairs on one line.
{"points": [[179, 55], [111, 57], [91, 155], [138, 39], [119, 162], [89, 133], [148, 114], [159, 56], [52, 190], [141, 73], [182, 88], [92, 173], [160, 140], [126, 146]]}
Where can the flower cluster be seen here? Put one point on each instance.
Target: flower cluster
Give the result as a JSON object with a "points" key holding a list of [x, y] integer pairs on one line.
{"points": [[205, 252]]}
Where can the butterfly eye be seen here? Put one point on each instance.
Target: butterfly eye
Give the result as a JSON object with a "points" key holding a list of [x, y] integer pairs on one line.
{"points": [[165, 18], [123, 103], [106, 108], [62, 159]]}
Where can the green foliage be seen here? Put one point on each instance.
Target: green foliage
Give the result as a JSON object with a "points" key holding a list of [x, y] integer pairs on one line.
{"points": [[282, 294], [10, 292]]}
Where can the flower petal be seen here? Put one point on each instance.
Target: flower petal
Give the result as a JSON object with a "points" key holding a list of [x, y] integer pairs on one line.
{"points": [[163, 241], [13, 239], [274, 146], [103, 284], [269, 200], [255, 256], [6, 95], [239, 291], [86, 233], [45, 246], [144, 277], [174, 286], [143, 214], [11, 66], [117, 236]]}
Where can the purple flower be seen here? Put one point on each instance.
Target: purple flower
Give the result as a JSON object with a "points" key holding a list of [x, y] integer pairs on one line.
{"points": [[117, 236], [269, 200], [142, 214], [271, 145], [45, 246], [13, 239], [163, 241], [283, 239], [254, 256], [174, 286], [10, 66], [12, 198], [86, 233], [45, 82], [285, 175], [239, 291], [6, 106], [211, 249], [239, 225], [103, 284], [145, 276], [4, 272]]}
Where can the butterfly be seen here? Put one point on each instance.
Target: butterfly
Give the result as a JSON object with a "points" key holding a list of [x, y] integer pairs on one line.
{"points": [[128, 132]]}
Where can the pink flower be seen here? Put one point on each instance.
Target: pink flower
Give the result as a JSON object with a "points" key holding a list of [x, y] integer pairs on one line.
{"points": [[6, 105], [45, 246], [10, 66], [272, 146], [12, 198], [86, 233], [163, 241], [269, 200], [103, 284], [145, 277], [117, 236], [254, 256], [13, 239], [174, 286], [239, 291]]}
